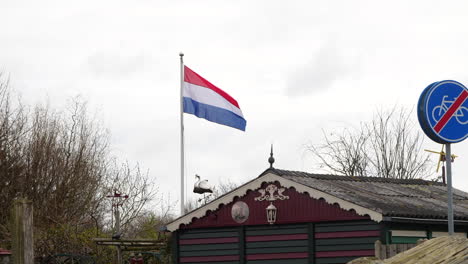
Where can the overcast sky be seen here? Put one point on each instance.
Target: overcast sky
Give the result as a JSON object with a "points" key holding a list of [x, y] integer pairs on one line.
{"points": [[295, 67]]}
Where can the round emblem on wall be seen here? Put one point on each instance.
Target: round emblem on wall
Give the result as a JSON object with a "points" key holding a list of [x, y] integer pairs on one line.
{"points": [[240, 212]]}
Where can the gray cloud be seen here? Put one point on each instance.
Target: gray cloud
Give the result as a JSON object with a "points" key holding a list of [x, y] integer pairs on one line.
{"points": [[114, 64], [319, 74], [267, 55]]}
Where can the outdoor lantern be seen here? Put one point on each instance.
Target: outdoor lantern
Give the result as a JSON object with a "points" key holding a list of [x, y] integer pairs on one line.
{"points": [[271, 213]]}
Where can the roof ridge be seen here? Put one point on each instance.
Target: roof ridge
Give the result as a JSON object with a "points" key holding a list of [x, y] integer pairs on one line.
{"points": [[324, 176]]}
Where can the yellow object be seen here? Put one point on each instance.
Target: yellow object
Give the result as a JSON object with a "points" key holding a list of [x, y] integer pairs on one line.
{"points": [[441, 156]]}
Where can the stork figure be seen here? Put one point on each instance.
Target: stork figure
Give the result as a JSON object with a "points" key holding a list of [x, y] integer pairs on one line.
{"points": [[201, 186]]}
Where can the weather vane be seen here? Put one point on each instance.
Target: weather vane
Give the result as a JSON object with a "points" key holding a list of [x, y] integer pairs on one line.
{"points": [[442, 158]]}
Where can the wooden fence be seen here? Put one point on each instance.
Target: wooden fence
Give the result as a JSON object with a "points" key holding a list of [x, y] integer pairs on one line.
{"points": [[383, 251]]}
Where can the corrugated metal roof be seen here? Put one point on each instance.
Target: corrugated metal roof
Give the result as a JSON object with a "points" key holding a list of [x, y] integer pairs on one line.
{"points": [[391, 197], [373, 196]]}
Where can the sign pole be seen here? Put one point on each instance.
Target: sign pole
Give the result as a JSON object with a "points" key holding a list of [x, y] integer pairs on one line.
{"points": [[443, 116], [448, 158]]}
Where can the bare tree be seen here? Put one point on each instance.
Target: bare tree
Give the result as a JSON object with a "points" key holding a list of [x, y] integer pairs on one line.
{"points": [[129, 180], [13, 124], [344, 153], [148, 223], [224, 187], [65, 160], [388, 147], [61, 161]]}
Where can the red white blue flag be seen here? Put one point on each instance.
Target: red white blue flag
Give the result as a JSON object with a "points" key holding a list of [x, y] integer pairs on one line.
{"points": [[203, 99]]}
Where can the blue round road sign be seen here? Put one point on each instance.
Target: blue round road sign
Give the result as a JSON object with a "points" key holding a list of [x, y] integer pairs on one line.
{"points": [[443, 111]]}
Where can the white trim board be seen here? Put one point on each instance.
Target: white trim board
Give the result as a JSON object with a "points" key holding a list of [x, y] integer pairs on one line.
{"points": [[408, 233]]}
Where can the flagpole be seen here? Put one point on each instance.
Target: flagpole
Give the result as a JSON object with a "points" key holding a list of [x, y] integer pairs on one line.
{"points": [[182, 179]]}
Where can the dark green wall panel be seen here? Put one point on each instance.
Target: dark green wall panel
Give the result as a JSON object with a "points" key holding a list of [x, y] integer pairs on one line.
{"points": [[288, 231], [278, 261], [311, 243], [332, 245], [276, 250], [405, 240], [242, 243], [319, 229], [290, 243], [224, 262], [344, 247], [175, 246], [244, 248], [334, 260], [209, 253], [209, 250], [345, 241]]}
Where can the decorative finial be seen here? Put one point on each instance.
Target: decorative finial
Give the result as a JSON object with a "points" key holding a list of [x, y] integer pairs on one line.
{"points": [[181, 54], [271, 160]]}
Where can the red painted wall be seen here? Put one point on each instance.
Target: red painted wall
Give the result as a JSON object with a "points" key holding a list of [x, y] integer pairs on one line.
{"points": [[299, 208]]}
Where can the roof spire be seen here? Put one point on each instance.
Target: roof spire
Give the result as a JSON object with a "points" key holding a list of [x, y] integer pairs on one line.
{"points": [[271, 160]]}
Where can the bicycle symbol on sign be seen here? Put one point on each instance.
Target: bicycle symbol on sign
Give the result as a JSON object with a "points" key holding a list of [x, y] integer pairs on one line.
{"points": [[461, 114]]}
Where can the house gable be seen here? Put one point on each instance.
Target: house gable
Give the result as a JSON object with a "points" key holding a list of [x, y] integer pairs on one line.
{"points": [[321, 207], [297, 208]]}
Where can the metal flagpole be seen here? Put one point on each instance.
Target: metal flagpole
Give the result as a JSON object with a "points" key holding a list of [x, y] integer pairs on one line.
{"points": [[448, 159], [182, 180]]}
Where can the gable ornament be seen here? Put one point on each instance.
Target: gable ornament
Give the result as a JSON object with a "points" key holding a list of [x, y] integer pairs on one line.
{"points": [[271, 193], [240, 212]]}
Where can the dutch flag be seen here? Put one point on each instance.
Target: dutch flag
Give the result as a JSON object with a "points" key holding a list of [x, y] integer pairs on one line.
{"points": [[203, 99]]}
